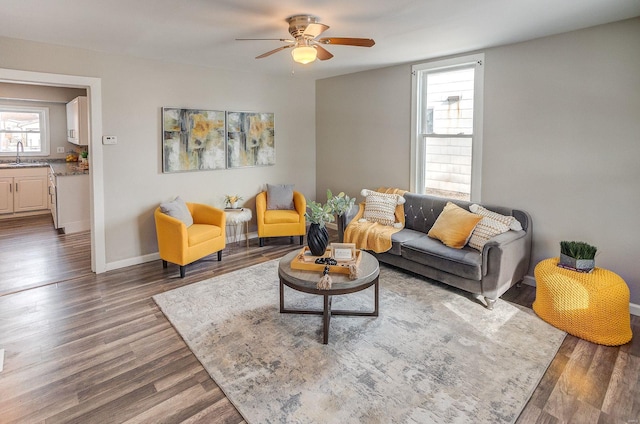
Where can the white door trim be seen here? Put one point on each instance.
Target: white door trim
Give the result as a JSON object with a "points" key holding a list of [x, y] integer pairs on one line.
{"points": [[94, 94]]}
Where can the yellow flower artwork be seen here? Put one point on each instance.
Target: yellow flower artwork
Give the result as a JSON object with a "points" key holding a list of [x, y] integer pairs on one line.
{"points": [[192, 140]]}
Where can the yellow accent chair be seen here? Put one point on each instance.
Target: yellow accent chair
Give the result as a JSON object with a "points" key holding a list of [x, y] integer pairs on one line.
{"points": [[281, 223], [183, 245]]}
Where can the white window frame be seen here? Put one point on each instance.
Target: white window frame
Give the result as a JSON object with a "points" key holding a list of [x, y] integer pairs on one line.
{"points": [[417, 167], [45, 146]]}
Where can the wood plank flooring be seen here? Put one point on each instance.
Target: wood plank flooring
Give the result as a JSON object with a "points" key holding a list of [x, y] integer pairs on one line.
{"points": [[86, 348]]}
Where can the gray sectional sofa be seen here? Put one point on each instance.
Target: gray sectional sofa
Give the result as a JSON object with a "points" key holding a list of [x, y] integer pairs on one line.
{"points": [[503, 262]]}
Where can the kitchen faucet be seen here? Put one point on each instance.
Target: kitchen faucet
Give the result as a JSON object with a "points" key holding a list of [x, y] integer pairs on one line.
{"points": [[18, 146]]}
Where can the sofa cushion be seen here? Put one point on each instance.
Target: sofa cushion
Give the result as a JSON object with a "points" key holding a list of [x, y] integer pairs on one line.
{"points": [[177, 209], [401, 237], [454, 226], [465, 263]]}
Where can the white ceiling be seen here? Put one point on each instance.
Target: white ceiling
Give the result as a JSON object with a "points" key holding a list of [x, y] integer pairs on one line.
{"points": [[203, 32]]}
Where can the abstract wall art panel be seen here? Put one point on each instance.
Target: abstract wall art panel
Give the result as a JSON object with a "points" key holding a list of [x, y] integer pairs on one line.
{"points": [[192, 140], [250, 139]]}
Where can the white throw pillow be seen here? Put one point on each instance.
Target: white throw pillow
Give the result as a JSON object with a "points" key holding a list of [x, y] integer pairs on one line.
{"points": [[486, 229], [381, 207], [509, 221], [178, 209]]}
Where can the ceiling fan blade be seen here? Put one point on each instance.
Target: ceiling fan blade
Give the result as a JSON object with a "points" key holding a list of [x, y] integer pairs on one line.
{"points": [[269, 53], [284, 40], [313, 30], [345, 41], [323, 54]]}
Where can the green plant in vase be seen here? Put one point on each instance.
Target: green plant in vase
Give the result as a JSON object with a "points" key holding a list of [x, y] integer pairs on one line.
{"points": [[577, 255], [340, 204], [317, 236]]}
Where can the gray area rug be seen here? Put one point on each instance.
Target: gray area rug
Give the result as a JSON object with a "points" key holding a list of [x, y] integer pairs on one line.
{"points": [[434, 355]]}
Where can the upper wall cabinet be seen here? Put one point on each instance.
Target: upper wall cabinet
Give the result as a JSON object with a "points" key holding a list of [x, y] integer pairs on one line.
{"points": [[78, 121]]}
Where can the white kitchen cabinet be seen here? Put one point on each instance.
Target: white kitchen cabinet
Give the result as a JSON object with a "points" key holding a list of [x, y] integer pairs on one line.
{"points": [[71, 203], [23, 190], [78, 121]]}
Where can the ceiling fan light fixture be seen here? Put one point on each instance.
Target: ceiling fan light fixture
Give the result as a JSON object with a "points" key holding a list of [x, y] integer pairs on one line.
{"points": [[304, 54]]}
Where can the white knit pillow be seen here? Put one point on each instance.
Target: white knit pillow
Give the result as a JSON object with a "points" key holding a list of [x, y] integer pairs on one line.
{"points": [[509, 221], [486, 229], [381, 207]]}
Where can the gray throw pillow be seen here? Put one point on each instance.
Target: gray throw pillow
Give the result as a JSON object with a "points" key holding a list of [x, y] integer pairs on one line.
{"points": [[178, 209], [280, 196]]}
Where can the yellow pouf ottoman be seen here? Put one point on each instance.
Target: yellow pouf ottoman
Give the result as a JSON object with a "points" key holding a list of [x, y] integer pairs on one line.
{"points": [[593, 306]]}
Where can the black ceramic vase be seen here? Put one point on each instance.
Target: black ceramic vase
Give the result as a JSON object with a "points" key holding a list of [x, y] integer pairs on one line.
{"points": [[317, 239]]}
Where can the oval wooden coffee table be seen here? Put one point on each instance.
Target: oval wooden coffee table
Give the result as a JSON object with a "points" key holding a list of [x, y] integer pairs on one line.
{"points": [[306, 282]]}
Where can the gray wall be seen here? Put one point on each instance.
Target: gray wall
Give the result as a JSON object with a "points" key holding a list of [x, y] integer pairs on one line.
{"points": [[133, 93], [561, 131]]}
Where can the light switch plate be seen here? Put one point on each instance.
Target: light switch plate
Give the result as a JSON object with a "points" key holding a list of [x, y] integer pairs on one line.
{"points": [[109, 139], [60, 149]]}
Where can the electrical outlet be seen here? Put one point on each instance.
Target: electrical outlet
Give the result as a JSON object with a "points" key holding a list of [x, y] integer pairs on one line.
{"points": [[109, 139], [59, 149]]}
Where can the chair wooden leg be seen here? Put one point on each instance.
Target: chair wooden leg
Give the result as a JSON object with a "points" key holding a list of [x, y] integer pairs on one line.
{"points": [[301, 240], [164, 264], [261, 241], [219, 255]]}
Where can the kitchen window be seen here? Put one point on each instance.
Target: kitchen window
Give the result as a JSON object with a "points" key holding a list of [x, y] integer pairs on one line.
{"points": [[26, 125], [447, 127]]}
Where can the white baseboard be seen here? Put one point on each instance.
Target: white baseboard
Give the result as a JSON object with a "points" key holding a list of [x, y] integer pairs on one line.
{"points": [[132, 261], [156, 256], [634, 309], [1, 359], [529, 280]]}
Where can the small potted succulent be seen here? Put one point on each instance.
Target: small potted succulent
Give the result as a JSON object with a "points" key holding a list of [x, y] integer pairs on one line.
{"points": [[317, 236], [577, 256], [231, 200]]}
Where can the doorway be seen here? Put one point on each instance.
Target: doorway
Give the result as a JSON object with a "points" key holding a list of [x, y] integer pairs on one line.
{"points": [[94, 95]]}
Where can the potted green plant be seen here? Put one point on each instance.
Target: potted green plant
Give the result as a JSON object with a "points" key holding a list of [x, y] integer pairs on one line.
{"points": [[340, 204], [231, 200], [317, 236], [577, 256]]}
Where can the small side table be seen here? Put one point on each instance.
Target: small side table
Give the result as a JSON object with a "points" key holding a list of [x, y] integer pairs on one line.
{"points": [[593, 306], [236, 217]]}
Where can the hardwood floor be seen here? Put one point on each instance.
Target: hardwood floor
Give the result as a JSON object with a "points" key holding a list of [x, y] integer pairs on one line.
{"points": [[86, 348]]}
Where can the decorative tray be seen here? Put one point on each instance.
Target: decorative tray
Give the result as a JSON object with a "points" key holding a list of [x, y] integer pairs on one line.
{"points": [[306, 262]]}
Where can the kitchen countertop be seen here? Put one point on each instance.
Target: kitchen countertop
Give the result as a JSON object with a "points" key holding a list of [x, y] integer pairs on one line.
{"points": [[60, 167]]}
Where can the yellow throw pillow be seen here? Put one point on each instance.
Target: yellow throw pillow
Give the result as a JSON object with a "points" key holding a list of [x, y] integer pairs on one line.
{"points": [[454, 226]]}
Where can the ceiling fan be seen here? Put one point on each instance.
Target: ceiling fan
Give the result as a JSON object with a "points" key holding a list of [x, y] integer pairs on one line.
{"points": [[306, 46]]}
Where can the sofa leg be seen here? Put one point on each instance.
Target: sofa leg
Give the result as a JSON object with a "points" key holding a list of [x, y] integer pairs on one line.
{"points": [[490, 303], [164, 264], [183, 270], [301, 240], [261, 241], [291, 240], [219, 255]]}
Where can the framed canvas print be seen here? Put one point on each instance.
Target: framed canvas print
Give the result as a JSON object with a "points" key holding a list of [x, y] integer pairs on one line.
{"points": [[250, 139], [192, 139]]}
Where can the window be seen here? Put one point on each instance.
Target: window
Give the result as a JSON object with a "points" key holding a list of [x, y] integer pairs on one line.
{"points": [[447, 127], [28, 125]]}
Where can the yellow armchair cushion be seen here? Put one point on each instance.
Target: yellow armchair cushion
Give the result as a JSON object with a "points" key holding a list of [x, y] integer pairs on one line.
{"points": [[281, 217], [199, 233]]}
